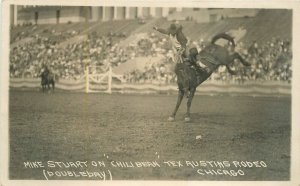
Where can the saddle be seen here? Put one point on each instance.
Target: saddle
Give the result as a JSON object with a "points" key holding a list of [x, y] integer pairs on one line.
{"points": [[188, 75]]}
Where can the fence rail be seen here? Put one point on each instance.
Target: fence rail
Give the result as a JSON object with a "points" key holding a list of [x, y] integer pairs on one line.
{"points": [[209, 87]]}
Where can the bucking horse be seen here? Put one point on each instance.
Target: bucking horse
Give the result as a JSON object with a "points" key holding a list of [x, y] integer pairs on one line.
{"points": [[47, 79], [212, 57]]}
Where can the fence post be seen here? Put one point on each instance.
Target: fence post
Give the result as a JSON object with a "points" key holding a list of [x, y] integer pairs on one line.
{"points": [[109, 79], [86, 79]]}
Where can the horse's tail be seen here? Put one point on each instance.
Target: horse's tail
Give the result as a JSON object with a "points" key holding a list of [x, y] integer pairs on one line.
{"points": [[53, 84], [223, 36], [50, 77], [56, 77], [51, 80], [53, 77]]}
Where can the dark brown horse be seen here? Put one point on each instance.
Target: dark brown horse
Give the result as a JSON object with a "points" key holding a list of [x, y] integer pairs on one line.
{"points": [[212, 56], [47, 79]]}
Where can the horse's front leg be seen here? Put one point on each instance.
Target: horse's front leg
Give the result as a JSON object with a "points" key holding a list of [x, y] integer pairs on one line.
{"points": [[179, 99], [189, 103]]}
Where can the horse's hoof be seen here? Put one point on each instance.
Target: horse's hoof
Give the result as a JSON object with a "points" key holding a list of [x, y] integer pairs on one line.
{"points": [[171, 118], [187, 119]]}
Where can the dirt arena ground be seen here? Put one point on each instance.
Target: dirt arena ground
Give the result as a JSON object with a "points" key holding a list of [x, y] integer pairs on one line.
{"points": [[249, 136]]}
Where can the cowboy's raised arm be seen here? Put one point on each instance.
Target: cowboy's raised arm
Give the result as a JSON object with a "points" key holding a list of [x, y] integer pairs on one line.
{"points": [[161, 30]]}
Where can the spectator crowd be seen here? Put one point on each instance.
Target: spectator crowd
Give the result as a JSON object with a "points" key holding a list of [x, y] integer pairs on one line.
{"points": [[270, 61]]}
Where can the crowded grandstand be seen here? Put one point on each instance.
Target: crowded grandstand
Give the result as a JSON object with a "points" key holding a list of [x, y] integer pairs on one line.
{"points": [[264, 40]]}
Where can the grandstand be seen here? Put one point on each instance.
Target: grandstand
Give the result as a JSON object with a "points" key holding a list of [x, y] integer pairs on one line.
{"points": [[68, 47], [265, 25]]}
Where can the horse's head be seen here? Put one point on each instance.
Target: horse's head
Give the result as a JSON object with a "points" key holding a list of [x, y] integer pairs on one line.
{"points": [[245, 63]]}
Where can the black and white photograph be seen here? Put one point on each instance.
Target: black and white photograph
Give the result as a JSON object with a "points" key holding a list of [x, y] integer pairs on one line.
{"points": [[149, 92]]}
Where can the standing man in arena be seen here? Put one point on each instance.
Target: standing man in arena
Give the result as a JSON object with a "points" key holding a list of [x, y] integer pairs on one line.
{"points": [[179, 42]]}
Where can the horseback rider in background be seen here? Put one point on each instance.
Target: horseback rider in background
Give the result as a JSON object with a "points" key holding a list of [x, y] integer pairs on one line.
{"points": [[46, 71], [44, 75], [47, 78], [179, 42]]}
